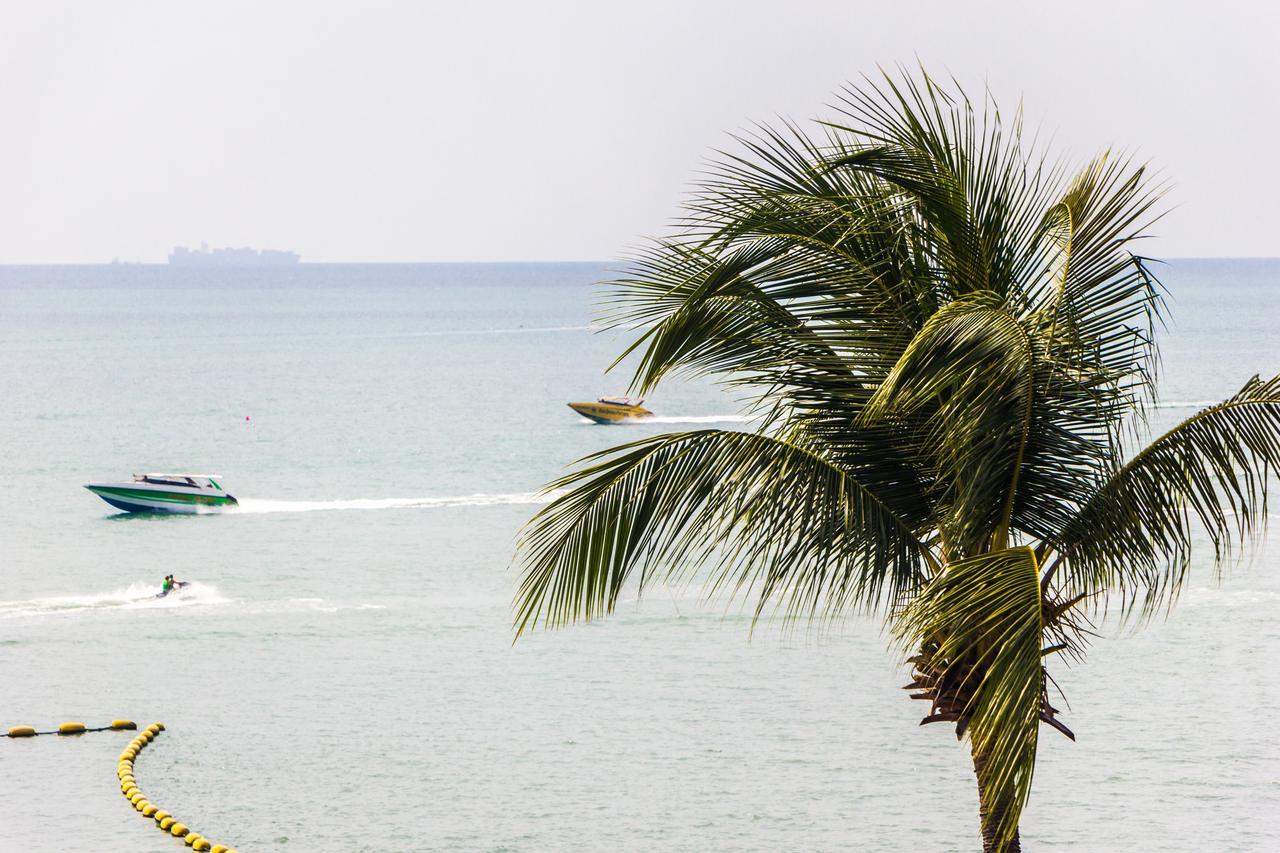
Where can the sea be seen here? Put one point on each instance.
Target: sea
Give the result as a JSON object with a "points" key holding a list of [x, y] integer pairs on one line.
{"points": [[343, 675]]}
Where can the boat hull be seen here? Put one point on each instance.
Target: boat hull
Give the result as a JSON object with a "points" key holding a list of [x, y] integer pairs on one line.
{"points": [[603, 413], [135, 497]]}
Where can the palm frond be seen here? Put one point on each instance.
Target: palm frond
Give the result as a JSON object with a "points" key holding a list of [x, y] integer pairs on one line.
{"points": [[962, 392], [981, 191], [1103, 302], [1210, 472], [767, 512], [980, 627]]}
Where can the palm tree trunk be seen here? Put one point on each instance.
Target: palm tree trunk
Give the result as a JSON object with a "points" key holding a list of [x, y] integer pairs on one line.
{"points": [[991, 814]]}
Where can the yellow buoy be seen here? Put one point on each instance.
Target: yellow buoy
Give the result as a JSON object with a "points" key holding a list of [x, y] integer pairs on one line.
{"points": [[128, 790], [160, 815], [200, 844], [149, 810], [218, 848], [142, 804], [71, 729], [178, 830], [22, 731], [136, 797], [190, 838], [167, 822], [158, 726], [123, 725]]}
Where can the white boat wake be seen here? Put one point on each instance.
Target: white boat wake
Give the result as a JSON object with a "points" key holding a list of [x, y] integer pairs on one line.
{"points": [[257, 505], [680, 419], [137, 596], [522, 330], [699, 419]]}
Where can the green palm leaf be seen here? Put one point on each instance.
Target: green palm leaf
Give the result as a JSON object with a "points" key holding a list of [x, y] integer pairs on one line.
{"points": [[980, 624], [773, 514], [1210, 472], [963, 391]]}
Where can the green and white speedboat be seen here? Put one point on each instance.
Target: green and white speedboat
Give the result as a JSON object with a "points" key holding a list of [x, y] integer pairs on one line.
{"points": [[189, 493]]}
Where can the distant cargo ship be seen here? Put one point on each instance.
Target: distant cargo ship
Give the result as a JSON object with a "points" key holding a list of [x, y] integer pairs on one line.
{"points": [[205, 257]]}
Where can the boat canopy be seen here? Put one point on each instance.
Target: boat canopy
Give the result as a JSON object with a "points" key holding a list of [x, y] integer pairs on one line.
{"points": [[197, 480], [621, 401]]}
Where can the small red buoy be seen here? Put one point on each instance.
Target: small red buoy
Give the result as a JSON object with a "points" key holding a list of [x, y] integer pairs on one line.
{"points": [[246, 417]]}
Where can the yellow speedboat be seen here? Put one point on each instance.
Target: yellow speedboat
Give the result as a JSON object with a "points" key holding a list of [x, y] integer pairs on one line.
{"points": [[612, 410]]}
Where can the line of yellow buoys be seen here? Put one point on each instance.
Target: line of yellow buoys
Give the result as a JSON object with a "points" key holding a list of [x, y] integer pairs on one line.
{"points": [[71, 729], [167, 822]]}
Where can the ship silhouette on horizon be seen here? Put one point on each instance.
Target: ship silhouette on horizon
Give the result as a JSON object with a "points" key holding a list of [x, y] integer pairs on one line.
{"points": [[181, 256]]}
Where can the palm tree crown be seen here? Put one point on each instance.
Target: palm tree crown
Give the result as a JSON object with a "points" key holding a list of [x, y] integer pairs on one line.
{"points": [[949, 341]]}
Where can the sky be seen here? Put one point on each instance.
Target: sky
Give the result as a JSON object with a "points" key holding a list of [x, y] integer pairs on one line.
{"points": [[537, 131]]}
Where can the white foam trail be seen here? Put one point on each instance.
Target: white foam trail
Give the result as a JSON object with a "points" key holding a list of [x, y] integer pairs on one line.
{"points": [[138, 595], [698, 419], [255, 505], [517, 331], [1187, 404], [678, 419]]}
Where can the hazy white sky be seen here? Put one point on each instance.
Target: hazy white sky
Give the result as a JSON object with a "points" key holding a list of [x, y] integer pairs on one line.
{"points": [[422, 131]]}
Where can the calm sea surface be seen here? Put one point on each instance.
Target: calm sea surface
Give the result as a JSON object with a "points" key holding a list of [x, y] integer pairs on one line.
{"points": [[343, 676]]}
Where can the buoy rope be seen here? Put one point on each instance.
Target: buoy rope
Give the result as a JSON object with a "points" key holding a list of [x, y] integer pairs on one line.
{"points": [[128, 785], [165, 821], [72, 729]]}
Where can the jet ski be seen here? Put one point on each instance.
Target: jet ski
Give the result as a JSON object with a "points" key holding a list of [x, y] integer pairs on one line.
{"points": [[178, 586]]}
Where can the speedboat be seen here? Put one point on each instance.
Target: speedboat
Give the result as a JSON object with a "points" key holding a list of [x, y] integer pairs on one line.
{"points": [[612, 410], [187, 493]]}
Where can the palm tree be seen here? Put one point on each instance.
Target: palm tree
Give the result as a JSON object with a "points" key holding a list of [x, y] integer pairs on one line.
{"points": [[949, 342]]}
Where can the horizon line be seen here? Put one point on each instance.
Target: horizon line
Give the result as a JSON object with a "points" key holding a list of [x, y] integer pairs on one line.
{"points": [[120, 263]]}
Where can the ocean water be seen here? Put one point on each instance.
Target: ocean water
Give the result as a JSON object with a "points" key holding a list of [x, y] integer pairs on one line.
{"points": [[342, 676]]}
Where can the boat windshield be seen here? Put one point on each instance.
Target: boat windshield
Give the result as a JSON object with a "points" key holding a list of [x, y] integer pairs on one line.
{"points": [[620, 401], [190, 481]]}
